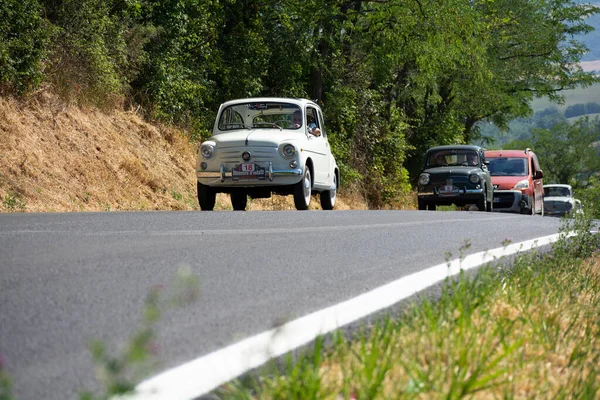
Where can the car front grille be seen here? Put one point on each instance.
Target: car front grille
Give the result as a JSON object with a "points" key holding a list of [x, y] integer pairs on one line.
{"points": [[456, 180], [556, 206], [506, 200], [234, 155]]}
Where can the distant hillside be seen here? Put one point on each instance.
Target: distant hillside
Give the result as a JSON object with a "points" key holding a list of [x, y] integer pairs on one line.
{"points": [[591, 40], [577, 96], [578, 104]]}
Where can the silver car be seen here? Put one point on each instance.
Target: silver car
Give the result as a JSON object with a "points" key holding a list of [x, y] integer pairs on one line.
{"points": [[559, 201]]}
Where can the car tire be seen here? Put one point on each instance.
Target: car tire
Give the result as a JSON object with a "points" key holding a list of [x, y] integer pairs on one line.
{"points": [[206, 197], [328, 196], [422, 204], [431, 207], [239, 200], [302, 190], [482, 203]]}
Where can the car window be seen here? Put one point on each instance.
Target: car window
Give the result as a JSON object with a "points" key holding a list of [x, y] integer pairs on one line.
{"points": [[230, 119], [508, 166], [451, 157], [260, 115], [322, 125], [312, 118], [556, 191]]}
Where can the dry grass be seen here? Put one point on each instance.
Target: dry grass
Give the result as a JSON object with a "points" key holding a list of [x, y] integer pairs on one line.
{"points": [[57, 157], [513, 339]]}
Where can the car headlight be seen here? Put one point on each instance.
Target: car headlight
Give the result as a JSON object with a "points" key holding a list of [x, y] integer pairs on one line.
{"points": [[524, 184], [288, 150], [474, 178], [569, 206], [423, 179], [207, 151]]}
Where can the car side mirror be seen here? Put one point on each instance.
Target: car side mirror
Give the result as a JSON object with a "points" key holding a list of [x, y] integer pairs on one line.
{"points": [[539, 174]]}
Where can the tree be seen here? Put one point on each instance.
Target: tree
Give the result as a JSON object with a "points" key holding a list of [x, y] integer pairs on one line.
{"points": [[568, 153], [23, 40]]}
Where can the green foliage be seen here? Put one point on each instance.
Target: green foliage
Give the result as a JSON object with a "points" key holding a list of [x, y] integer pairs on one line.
{"points": [[393, 77], [567, 152], [88, 53], [6, 392], [589, 198], [13, 202], [581, 246], [23, 40], [582, 109]]}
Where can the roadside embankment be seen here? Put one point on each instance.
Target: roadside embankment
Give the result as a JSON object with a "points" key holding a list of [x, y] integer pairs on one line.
{"points": [[56, 157]]}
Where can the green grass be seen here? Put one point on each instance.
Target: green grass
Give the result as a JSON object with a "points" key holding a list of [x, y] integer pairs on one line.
{"points": [[530, 331]]}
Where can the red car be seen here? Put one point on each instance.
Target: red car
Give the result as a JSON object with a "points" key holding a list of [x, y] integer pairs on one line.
{"points": [[517, 179]]}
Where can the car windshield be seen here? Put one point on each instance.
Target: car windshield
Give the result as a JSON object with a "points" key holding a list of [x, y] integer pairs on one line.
{"points": [[508, 166], [557, 191], [444, 158], [275, 115]]}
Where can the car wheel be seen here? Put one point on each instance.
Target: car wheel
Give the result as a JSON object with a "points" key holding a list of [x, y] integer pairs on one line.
{"points": [[431, 207], [422, 205], [302, 191], [206, 197], [239, 200], [482, 203], [328, 196]]}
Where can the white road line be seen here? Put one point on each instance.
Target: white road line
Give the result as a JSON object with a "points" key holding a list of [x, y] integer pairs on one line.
{"points": [[208, 372]]}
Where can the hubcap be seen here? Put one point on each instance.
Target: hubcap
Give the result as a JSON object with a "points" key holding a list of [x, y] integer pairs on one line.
{"points": [[334, 190], [307, 187]]}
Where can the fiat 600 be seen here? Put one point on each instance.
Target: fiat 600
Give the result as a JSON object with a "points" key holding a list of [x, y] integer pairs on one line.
{"points": [[456, 174], [262, 146]]}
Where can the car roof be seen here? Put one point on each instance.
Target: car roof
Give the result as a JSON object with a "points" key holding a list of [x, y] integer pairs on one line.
{"points": [[456, 147], [293, 100], [509, 153]]}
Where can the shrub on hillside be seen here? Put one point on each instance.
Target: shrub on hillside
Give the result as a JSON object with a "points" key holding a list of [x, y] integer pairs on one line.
{"points": [[23, 39]]}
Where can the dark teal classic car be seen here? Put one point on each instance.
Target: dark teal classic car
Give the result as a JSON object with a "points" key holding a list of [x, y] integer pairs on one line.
{"points": [[455, 174]]}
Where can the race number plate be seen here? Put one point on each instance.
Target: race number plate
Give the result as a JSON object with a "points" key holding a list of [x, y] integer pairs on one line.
{"points": [[449, 190], [248, 172]]}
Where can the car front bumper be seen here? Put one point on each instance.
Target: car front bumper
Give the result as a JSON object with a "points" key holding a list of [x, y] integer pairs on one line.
{"points": [[224, 177], [463, 196], [513, 201]]}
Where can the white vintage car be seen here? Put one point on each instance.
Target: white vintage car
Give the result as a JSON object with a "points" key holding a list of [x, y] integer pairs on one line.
{"points": [[267, 145], [559, 201]]}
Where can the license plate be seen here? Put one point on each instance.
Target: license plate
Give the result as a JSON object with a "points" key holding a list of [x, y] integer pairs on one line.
{"points": [[248, 171], [449, 190], [496, 199]]}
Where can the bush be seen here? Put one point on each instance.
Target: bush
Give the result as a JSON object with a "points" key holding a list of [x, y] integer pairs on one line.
{"points": [[23, 39]]}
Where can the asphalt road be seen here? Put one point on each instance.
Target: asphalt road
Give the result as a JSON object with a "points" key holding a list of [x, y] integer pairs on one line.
{"points": [[67, 279]]}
